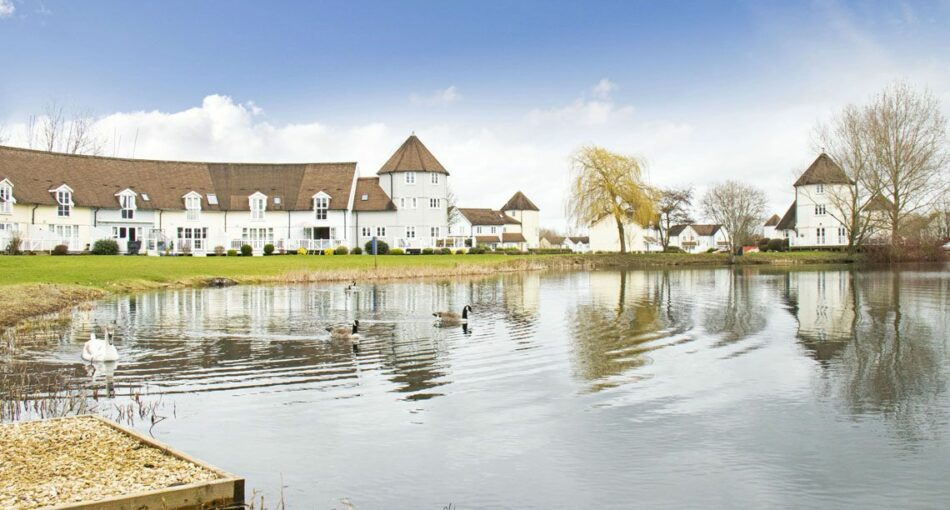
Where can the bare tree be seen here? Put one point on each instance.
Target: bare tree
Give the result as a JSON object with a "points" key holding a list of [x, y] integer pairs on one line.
{"points": [[907, 136], [451, 211], [737, 207], [59, 131], [673, 209], [607, 184]]}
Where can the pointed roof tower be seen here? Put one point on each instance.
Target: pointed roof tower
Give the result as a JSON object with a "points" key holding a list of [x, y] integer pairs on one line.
{"points": [[519, 202], [823, 171], [412, 156]]}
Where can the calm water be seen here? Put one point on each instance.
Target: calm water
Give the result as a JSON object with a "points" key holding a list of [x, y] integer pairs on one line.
{"points": [[661, 389]]}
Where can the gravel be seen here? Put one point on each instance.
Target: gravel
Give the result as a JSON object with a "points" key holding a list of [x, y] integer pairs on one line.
{"points": [[46, 463]]}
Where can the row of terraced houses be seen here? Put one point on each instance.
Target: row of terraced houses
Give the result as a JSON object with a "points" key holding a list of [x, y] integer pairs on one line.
{"points": [[175, 207]]}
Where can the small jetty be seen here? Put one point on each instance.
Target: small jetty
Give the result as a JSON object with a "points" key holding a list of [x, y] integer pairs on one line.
{"points": [[88, 462]]}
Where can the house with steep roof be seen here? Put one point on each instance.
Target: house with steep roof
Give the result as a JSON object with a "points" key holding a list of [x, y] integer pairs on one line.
{"points": [[514, 226], [812, 220], [578, 244], [699, 238], [768, 228], [177, 207]]}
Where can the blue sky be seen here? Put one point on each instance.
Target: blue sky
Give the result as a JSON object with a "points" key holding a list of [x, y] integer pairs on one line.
{"points": [[500, 91]]}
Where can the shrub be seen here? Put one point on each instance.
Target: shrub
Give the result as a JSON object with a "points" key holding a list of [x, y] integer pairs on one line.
{"points": [[711, 250], [219, 251], [357, 251], [341, 250], [105, 247], [13, 247], [232, 253], [381, 247], [268, 249], [328, 251], [397, 251], [478, 250], [673, 249], [763, 244], [427, 251], [60, 249], [246, 250], [777, 245], [445, 251], [460, 251]]}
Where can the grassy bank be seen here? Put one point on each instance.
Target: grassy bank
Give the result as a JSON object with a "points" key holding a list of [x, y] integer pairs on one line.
{"points": [[37, 285]]}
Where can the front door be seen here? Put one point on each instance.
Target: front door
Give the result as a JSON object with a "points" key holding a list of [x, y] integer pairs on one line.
{"points": [[123, 235]]}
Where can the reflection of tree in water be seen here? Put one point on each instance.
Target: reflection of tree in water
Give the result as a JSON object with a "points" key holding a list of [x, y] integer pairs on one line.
{"points": [[613, 340], [739, 314]]}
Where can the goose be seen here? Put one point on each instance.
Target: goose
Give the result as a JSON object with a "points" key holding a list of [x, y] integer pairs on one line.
{"points": [[99, 350], [352, 287], [350, 333], [452, 318]]}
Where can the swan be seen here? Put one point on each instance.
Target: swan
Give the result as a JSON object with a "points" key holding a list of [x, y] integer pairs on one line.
{"points": [[99, 350], [453, 318], [350, 333]]}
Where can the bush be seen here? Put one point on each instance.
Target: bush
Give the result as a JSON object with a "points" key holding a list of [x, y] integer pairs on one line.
{"points": [[219, 251], [268, 249], [778, 245], [341, 250], [427, 251], [397, 251], [381, 247], [711, 250], [105, 247], [357, 251], [763, 244], [550, 251], [13, 247], [460, 251], [246, 250], [232, 253], [328, 251], [445, 251], [478, 250], [60, 249]]}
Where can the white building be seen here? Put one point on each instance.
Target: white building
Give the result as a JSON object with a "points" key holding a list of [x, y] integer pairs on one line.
{"points": [[810, 221], [697, 238], [605, 237], [173, 207], [768, 229]]}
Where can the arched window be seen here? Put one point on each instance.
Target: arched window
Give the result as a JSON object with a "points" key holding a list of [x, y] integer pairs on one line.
{"points": [[193, 205], [64, 200], [321, 204]]}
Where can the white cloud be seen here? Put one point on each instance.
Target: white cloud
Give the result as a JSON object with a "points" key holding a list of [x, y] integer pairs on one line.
{"points": [[437, 98], [6, 8], [603, 88]]}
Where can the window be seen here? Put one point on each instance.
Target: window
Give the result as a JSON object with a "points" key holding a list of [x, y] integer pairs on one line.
{"points": [[65, 231], [380, 231], [320, 206], [435, 178], [127, 202], [434, 203], [6, 197], [193, 206], [494, 230], [478, 230], [820, 232], [415, 203], [364, 197], [842, 236], [192, 238], [212, 199], [819, 210], [410, 177], [145, 197], [64, 202], [410, 232], [366, 232], [402, 203], [258, 206], [821, 188], [435, 233]]}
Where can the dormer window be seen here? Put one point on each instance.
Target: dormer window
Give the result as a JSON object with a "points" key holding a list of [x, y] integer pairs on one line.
{"points": [[258, 202], [410, 177], [6, 197], [127, 203], [435, 178], [321, 203], [64, 200], [193, 205]]}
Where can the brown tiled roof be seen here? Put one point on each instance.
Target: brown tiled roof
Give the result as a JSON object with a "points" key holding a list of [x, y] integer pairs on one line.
{"points": [[519, 202], [580, 240], [706, 230], [676, 230], [95, 180], [773, 220], [553, 239], [376, 198], [788, 221], [486, 239], [412, 156], [487, 217], [823, 171], [513, 237]]}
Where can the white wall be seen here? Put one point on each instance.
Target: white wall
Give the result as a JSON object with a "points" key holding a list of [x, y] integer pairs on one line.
{"points": [[604, 236]]}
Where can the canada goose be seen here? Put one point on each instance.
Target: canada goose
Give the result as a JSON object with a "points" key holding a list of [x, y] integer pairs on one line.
{"points": [[99, 350], [352, 287], [452, 318], [350, 333]]}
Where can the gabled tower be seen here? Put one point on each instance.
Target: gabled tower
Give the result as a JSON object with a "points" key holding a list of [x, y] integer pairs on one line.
{"points": [[522, 209]]}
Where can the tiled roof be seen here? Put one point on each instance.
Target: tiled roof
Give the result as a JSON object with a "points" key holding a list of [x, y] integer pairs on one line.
{"points": [[376, 198], [553, 239], [519, 202], [580, 240], [487, 217], [706, 230], [788, 221], [486, 239], [773, 220], [823, 171], [412, 156], [676, 230], [95, 181], [513, 237]]}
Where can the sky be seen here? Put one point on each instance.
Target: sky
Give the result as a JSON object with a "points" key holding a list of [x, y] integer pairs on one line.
{"points": [[501, 92]]}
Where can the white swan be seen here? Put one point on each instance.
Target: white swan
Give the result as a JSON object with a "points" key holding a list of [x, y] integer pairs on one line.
{"points": [[99, 350]]}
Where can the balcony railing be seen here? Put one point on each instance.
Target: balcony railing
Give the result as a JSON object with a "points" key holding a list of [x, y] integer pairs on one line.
{"points": [[309, 244]]}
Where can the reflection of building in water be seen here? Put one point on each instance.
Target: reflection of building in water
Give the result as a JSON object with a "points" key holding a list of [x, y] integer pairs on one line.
{"points": [[822, 302]]}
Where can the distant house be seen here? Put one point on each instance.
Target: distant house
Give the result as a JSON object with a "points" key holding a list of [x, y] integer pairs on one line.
{"points": [[604, 235], [699, 238], [552, 242], [497, 229], [768, 229], [578, 244]]}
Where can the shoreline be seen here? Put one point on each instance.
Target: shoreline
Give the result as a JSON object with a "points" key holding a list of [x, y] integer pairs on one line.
{"points": [[25, 301]]}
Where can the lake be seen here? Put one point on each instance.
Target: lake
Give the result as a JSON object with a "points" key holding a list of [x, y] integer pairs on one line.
{"points": [[712, 388]]}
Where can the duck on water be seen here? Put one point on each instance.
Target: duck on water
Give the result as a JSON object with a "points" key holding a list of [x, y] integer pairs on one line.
{"points": [[452, 318]]}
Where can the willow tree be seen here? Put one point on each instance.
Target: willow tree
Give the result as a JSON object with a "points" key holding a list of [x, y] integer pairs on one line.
{"points": [[607, 184]]}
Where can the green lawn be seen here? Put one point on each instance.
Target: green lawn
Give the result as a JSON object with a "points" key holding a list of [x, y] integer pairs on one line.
{"points": [[104, 271]]}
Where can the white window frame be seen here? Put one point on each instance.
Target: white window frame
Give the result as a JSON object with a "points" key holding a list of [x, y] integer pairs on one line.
{"points": [[321, 205], [415, 203], [380, 231], [435, 232], [435, 178], [494, 230], [435, 203], [258, 205], [821, 188], [820, 210], [478, 230], [410, 177], [6, 197], [366, 232], [410, 232], [127, 205], [820, 235], [193, 206], [64, 201]]}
